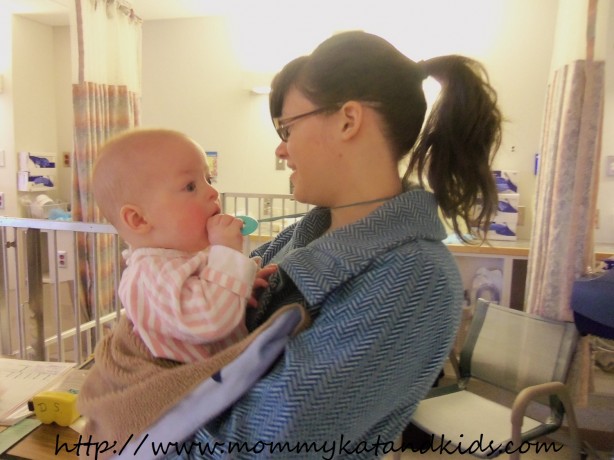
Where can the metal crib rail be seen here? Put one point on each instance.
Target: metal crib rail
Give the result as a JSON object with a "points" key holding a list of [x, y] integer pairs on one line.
{"points": [[24, 270], [27, 271], [274, 212]]}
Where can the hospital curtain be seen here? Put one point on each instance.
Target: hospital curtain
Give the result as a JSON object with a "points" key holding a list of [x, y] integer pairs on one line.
{"points": [[562, 239], [562, 245], [106, 48]]}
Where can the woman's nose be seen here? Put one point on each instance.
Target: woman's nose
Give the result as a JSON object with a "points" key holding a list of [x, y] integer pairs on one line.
{"points": [[281, 151]]}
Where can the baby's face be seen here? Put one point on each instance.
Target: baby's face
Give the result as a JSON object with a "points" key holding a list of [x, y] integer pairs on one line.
{"points": [[182, 198]]}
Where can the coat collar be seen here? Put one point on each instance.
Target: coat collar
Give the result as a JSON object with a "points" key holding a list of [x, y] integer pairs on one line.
{"points": [[319, 263]]}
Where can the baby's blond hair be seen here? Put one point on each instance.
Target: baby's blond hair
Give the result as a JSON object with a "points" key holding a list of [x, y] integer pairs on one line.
{"points": [[116, 178]]}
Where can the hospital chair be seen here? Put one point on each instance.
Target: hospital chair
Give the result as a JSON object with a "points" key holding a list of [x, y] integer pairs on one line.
{"points": [[524, 354]]}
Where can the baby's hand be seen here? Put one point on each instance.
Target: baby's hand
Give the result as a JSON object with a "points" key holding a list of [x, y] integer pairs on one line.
{"points": [[260, 283], [225, 230]]}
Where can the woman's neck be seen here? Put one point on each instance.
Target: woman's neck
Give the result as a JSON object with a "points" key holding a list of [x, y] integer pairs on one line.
{"points": [[348, 213], [370, 177]]}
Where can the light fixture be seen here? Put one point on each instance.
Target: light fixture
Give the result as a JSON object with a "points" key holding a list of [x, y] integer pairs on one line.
{"points": [[260, 89], [256, 83]]}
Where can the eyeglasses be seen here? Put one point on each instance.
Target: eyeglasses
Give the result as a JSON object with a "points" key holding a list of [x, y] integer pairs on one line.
{"points": [[282, 124]]}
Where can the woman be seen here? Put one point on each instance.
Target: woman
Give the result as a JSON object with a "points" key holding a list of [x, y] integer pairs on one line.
{"points": [[368, 263]]}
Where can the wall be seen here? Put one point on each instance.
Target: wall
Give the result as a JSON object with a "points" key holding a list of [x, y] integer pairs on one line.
{"points": [[518, 62], [42, 117], [605, 204], [63, 108], [34, 114], [33, 86], [193, 79], [7, 142], [570, 45], [192, 82]]}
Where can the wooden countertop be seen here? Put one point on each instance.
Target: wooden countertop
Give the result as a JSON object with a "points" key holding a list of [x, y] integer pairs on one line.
{"points": [[50, 442], [519, 248]]}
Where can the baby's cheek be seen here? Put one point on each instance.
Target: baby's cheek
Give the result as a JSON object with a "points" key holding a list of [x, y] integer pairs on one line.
{"points": [[191, 227]]}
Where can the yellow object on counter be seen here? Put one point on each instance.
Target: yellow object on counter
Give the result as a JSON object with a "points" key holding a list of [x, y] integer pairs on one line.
{"points": [[55, 406]]}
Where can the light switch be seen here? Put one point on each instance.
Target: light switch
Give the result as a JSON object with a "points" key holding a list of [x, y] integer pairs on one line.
{"points": [[609, 165]]}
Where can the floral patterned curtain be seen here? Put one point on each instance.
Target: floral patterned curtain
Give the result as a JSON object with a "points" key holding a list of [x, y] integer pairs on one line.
{"points": [[562, 239], [106, 43]]}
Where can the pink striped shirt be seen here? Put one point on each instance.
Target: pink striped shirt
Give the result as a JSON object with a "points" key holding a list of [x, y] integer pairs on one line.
{"points": [[187, 307]]}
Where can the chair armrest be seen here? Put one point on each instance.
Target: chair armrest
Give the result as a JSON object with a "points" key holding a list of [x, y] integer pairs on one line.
{"points": [[454, 362], [545, 389]]}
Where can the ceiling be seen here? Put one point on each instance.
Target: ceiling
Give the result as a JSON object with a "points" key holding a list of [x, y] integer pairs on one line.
{"points": [[55, 12]]}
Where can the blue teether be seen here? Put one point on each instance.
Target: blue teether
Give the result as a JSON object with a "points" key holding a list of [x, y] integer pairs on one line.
{"points": [[249, 224]]}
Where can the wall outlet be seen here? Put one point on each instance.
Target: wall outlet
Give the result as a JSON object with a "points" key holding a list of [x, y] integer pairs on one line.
{"points": [[280, 164], [62, 262], [1, 200]]}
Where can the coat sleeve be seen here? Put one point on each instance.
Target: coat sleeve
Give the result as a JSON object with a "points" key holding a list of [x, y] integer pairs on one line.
{"points": [[355, 377]]}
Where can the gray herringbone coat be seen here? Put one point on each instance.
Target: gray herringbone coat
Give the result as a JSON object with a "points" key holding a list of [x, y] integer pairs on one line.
{"points": [[385, 295]]}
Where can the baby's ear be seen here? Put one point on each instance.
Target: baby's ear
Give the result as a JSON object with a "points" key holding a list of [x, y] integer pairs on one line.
{"points": [[132, 217]]}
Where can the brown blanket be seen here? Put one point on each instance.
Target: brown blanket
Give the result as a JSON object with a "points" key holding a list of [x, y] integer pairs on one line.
{"points": [[128, 389]]}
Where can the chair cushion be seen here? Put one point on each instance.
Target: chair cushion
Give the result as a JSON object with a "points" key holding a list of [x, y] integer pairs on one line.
{"points": [[486, 425]]}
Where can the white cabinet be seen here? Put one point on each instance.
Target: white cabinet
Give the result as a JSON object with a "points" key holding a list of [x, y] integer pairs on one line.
{"points": [[510, 258], [496, 273], [37, 172]]}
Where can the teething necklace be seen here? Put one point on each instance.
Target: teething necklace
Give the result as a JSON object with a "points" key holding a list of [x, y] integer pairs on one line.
{"points": [[250, 224]]}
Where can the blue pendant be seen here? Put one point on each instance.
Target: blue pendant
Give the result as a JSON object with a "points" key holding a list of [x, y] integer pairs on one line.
{"points": [[249, 224]]}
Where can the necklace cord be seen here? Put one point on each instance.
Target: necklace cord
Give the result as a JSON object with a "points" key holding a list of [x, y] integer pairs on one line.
{"points": [[377, 200], [358, 203]]}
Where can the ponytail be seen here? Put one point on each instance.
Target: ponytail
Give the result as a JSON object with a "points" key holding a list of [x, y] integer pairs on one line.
{"points": [[453, 147], [457, 144]]}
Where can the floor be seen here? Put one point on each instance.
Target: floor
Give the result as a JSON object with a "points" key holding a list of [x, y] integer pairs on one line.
{"points": [[596, 423], [51, 321], [563, 454]]}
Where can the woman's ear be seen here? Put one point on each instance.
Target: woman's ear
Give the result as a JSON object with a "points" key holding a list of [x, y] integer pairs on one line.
{"points": [[352, 113], [132, 217]]}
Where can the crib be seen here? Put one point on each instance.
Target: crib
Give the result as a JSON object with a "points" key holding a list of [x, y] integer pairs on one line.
{"points": [[58, 298], [274, 212], [41, 317]]}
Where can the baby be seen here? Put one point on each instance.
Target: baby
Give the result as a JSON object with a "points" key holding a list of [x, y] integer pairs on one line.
{"points": [[187, 283]]}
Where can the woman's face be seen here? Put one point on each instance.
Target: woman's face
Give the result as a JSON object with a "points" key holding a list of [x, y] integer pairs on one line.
{"points": [[308, 151]]}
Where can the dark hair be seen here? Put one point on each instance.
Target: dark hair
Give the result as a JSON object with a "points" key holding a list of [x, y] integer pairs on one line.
{"points": [[459, 138]]}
